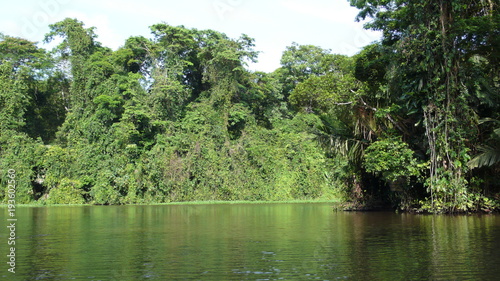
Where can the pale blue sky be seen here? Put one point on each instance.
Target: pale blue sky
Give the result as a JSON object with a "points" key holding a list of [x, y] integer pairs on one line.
{"points": [[274, 24]]}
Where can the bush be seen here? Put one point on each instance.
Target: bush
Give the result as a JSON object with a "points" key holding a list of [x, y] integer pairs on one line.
{"points": [[68, 192], [391, 159]]}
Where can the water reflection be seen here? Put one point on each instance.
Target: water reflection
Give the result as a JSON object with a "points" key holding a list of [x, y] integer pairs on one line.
{"points": [[251, 242]]}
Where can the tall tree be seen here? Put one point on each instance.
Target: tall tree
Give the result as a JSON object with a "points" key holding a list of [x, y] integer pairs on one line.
{"points": [[77, 46], [431, 42]]}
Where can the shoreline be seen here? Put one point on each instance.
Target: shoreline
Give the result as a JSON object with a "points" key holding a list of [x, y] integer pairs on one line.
{"points": [[208, 202]]}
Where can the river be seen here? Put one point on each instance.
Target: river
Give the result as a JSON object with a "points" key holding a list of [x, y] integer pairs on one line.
{"points": [[248, 242]]}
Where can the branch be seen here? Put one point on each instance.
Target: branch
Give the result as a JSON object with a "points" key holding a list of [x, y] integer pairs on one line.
{"points": [[366, 105]]}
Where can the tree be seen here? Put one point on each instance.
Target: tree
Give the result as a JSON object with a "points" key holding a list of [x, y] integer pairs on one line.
{"points": [[298, 62], [77, 46], [431, 42], [18, 152]]}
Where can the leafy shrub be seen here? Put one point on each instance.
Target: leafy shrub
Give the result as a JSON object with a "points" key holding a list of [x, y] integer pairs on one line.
{"points": [[68, 192], [391, 159]]}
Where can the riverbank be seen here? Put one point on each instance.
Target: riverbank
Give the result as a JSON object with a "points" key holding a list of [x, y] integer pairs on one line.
{"points": [[337, 205], [237, 202]]}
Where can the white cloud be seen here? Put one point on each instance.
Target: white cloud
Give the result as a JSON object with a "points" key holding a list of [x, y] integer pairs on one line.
{"points": [[10, 27], [106, 34], [129, 9], [327, 11]]}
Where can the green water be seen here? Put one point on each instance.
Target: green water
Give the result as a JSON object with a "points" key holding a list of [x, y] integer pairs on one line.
{"points": [[248, 242]]}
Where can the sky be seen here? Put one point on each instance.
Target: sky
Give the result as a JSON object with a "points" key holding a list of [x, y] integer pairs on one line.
{"points": [[274, 24]]}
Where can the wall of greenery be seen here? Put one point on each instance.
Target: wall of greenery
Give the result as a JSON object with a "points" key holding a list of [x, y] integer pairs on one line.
{"points": [[410, 122]]}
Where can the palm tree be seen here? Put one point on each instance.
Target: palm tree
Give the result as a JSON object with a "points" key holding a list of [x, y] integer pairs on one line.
{"points": [[489, 153]]}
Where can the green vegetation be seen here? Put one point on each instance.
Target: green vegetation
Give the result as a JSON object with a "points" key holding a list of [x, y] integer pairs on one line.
{"points": [[409, 122]]}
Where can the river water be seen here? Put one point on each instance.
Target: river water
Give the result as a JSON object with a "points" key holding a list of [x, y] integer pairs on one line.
{"points": [[248, 242]]}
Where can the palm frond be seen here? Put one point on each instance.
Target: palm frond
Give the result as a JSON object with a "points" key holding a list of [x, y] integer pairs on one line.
{"points": [[489, 156]]}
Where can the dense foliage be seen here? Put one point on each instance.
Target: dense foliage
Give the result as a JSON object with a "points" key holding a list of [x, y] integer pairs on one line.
{"points": [[410, 121]]}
